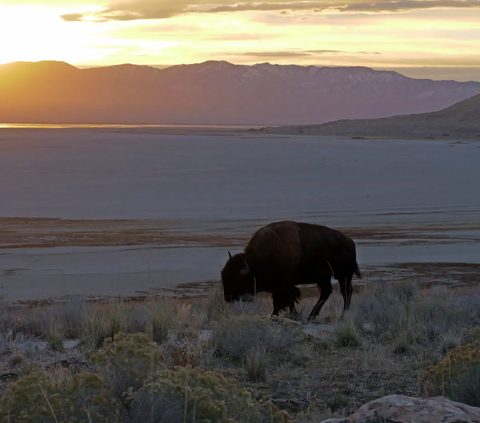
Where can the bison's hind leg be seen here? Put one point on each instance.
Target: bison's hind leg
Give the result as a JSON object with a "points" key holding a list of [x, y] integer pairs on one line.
{"points": [[347, 290], [325, 291]]}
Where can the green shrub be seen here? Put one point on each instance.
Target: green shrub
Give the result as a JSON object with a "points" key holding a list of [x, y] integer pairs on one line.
{"points": [[470, 335], [73, 398], [457, 376], [126, 362], [186, 394]]}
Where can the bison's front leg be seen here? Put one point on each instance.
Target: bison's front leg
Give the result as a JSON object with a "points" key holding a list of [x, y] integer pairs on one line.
{"points": [[286, 298], [279, 304]]}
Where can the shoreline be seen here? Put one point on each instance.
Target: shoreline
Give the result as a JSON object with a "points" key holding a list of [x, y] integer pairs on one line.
{"points": [[47, 259], [279, 131]]}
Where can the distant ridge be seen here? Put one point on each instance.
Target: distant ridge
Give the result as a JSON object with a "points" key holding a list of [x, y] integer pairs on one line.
{"points": [[215, 92], [462, 120]]}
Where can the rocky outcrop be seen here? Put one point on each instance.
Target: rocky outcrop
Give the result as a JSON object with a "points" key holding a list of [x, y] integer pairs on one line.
{"points": [[402, 409]]}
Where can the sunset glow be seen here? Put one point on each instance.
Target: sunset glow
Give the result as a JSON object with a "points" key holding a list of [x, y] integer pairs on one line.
{"points": [[441, 36]]}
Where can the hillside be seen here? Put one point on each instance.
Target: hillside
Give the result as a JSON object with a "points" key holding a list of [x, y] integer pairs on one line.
{"points": [[215, 93], [460, 120]]}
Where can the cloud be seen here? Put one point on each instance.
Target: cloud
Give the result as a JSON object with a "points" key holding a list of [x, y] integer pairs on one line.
{"points": [[324, 51], [276, 54], [137, 9], [302, 53], [271, 6], [406, 5], [241, 37], [128, 10], [72, 17]]}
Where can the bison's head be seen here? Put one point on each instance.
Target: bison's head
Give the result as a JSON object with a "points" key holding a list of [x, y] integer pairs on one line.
{"points": [[237, 278]]}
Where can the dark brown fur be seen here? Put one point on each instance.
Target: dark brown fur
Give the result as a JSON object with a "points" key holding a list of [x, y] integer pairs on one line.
{"points": [[284, 254]]}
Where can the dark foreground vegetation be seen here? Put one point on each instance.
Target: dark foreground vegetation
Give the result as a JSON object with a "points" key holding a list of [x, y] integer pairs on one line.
{"points": [[170, 360]]}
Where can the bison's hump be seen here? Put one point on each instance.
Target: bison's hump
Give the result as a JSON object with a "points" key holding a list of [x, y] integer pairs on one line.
{"points": [[279, 241]]}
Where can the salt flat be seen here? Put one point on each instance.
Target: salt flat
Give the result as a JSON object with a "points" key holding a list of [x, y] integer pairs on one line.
{"points": [[140, 209]]}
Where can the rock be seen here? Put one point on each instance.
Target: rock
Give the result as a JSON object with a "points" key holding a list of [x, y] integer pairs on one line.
{"points": [[403, 409], [367, 328], [8, 376]]}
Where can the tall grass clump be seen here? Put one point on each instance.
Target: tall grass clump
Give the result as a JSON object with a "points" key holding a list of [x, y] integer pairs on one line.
{"points": [[346, 333], [15, 343], [236, 336], [161, 313], [256, 364], [4, 315], [216, 307], [74, 314], [37, 321], [383, 310], [115, 314], [54, 337], [95, 330], [457, 376], [137, 319], [445, 312]]}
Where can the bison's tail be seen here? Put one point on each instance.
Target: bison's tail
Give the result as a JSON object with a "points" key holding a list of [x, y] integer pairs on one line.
{"points": [[358, 274]]}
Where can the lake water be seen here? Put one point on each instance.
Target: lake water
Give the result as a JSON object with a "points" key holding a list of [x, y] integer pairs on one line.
{"points": [[223, 181]]}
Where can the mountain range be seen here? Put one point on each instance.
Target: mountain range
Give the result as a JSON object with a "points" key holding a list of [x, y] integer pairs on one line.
{"points": [[215, 92], [462, 120]]}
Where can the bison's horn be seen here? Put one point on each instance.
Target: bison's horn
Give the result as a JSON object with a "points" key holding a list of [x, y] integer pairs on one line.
{"points": [[229, 255], [245, 271]]}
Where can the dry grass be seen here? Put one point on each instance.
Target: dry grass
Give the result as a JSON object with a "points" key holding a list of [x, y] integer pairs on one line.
{"points": [[161, 313], [383, 345]]}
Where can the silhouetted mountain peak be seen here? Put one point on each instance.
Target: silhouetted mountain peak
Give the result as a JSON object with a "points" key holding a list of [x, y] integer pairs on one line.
{"points": [[41, 66]]}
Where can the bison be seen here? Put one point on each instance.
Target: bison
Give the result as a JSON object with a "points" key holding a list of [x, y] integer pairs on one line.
{"points": [[285, 254]]}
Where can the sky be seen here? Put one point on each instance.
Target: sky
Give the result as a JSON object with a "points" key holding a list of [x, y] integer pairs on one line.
{"points": [[438, 39]]}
